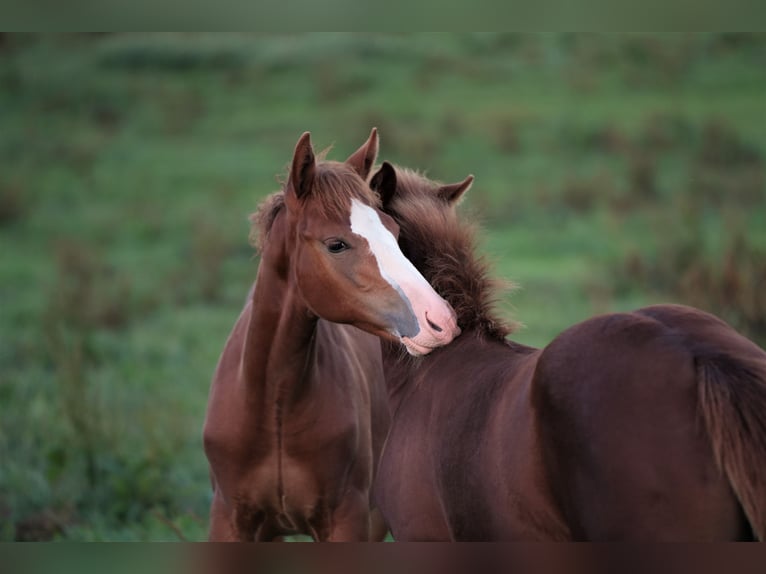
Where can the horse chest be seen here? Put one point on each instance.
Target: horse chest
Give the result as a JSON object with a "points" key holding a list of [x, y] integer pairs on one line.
{"points": [[281, 484], [298, 464]]}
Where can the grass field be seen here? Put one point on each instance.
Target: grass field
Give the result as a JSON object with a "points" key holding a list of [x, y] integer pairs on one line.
{"points": [[611, 172]]}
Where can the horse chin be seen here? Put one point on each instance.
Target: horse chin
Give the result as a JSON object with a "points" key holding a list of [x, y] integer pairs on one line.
{"points": [[415, 349]]}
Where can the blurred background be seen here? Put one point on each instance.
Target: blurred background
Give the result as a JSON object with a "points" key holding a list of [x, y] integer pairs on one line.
{"points": [[612, 171]]}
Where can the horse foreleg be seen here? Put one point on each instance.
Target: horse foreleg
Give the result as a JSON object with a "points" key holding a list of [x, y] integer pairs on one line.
{"points": [[222, 527], [350, 521], [378, 526]]}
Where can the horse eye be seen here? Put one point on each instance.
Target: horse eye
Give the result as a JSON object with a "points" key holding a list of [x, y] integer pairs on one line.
{"points": [[336, 246]]}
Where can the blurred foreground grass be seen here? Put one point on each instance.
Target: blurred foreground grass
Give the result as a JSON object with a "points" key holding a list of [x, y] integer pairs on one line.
{"points": [[612, 172]]}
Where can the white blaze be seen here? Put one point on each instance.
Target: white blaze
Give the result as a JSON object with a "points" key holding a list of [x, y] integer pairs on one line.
{"points": [[394, 267]]}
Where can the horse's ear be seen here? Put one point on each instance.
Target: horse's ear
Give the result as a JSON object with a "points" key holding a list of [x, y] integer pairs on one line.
{"points": [[363, 158], [452, 192], [303, 167], [384, 183]]}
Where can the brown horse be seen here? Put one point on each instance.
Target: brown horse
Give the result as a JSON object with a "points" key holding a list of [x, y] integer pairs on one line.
{"points": [[648, 425], [297, 413]]}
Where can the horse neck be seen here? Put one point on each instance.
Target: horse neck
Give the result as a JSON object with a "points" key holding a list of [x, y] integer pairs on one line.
{"points": [[398, 371], [278, 344], [404, 373]]}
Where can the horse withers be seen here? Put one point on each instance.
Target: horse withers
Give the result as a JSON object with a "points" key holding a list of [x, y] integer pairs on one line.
{"points": [[297, 413], [642, 426]]}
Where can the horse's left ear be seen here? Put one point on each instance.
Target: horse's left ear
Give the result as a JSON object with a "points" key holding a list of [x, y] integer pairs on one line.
{"points": [[363, 158], [384, 183], [452, 192]]}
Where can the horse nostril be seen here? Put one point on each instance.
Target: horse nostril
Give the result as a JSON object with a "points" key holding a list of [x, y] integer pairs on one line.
{"points": [[434, 326]]}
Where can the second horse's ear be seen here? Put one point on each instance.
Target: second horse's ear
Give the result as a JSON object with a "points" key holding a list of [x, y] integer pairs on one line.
{"points": [[384, 183], [363, 158], [452, 192], [303, 168]]}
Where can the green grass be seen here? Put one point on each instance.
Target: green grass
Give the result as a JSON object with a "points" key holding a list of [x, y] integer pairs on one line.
{"points": [[611, 172]]}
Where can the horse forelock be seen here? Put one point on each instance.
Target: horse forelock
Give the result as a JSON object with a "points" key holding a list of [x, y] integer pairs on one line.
{"points": [[443, 248], [335, 185]]}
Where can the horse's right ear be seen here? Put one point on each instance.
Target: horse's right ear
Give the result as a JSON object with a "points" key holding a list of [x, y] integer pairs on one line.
{"points": [[452, 192], [302, 169], [363, 158], [384, 183]]}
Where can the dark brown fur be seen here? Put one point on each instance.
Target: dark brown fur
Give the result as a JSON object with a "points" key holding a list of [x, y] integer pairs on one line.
{"points": [[439, 248], [643, 426]]}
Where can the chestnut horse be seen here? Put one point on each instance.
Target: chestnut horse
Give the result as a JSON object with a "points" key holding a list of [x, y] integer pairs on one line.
{"points": [[643, 426], [297, 412]]}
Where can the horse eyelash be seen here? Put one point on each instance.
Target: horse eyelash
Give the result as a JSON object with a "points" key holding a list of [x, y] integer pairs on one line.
{"points": [[330, 242]]}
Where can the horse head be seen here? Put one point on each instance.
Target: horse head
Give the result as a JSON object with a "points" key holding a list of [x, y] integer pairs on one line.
{"points": [[343, 258]]}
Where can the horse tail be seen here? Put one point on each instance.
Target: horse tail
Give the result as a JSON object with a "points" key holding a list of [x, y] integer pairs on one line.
{"points": [[732, 402]]}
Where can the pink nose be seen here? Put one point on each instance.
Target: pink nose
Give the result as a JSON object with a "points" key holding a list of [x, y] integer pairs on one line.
{"points": [[441, 324], [438, 327]]}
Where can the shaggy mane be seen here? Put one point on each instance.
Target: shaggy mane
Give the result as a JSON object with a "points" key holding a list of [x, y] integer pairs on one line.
{"points": [[335, 185], [263, 218], [442, 248]]}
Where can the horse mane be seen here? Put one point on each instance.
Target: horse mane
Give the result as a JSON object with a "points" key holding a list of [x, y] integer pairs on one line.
{"points": [[443, 249], [335, 184], [263, 218]]}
